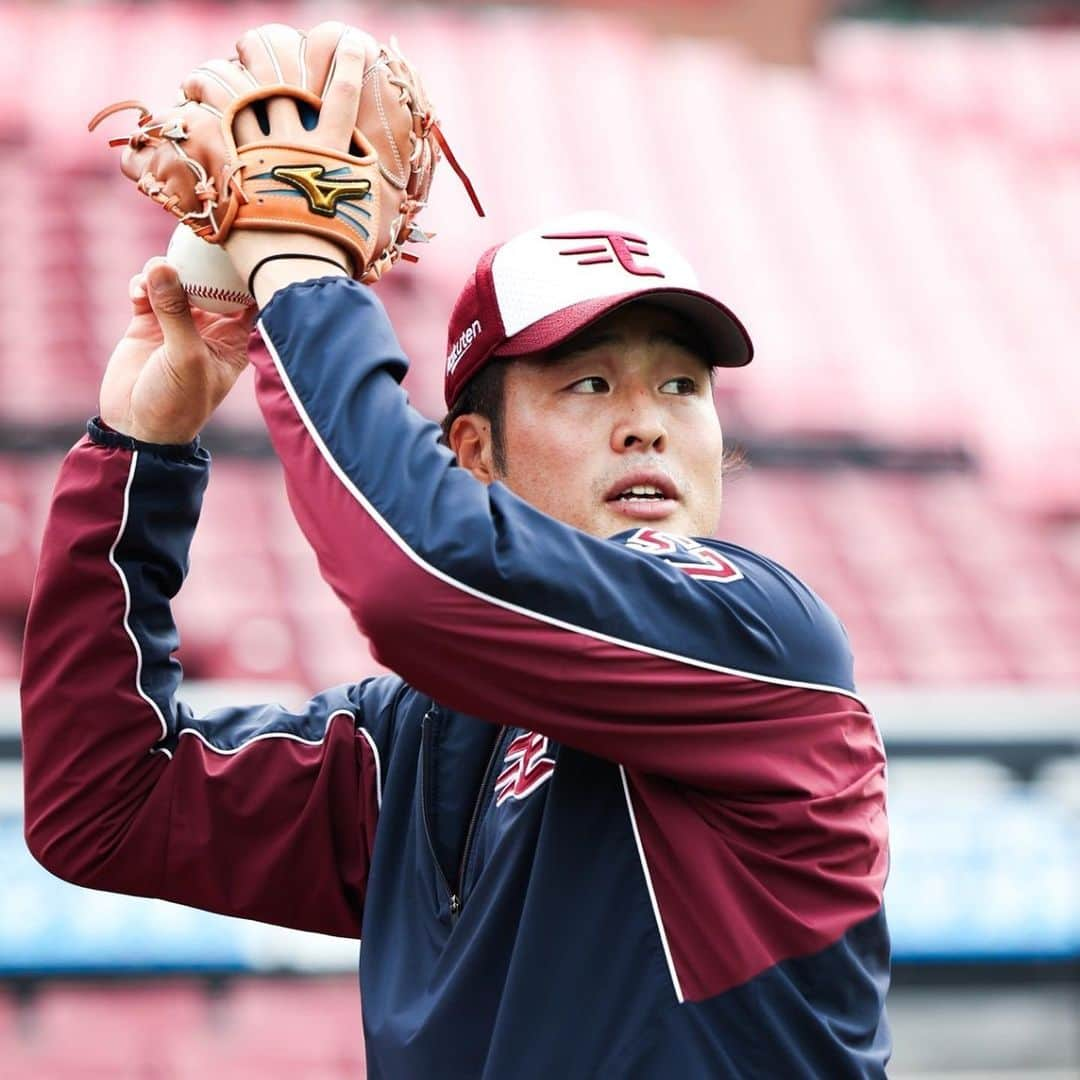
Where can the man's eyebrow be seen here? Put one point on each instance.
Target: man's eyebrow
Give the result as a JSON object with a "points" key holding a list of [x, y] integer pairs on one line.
{"points": [[688, 341]]}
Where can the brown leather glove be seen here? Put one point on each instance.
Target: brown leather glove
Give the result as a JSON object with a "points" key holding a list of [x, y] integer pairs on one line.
{"points": [[228, 157]]}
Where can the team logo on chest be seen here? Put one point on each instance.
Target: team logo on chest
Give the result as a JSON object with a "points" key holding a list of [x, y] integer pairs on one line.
{"points": [[525, 768]]}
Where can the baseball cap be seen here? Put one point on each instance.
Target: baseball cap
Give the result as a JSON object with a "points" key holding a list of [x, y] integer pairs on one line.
{"points": [[543, 286]]}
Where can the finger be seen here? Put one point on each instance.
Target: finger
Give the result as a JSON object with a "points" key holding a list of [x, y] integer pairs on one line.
{"points": [[133, 163], [322, 43], [163, 175], [216, 84], [230, 329], [158, 155], [274, 53], [173, 312], [246, 127], [140, 302], [341, 102]]}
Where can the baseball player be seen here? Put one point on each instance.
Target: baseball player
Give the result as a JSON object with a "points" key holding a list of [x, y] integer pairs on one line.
{"points": [[619, 811]]}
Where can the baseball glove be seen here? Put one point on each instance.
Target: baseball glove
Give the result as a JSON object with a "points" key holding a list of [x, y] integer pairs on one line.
{"points": [[223, 159]]}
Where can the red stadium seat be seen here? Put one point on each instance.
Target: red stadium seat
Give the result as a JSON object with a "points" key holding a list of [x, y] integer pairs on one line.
{"points": [[933, 579], [17, 550], [877, 294], [105, 1031], [8, 1018], [916, 286], [177, 1030], [279, 1029]]}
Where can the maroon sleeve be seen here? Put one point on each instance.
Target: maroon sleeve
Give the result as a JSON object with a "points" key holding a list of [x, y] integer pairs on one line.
{"points": [[125, 789]]}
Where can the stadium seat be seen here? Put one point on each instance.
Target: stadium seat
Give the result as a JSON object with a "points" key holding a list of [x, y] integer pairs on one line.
{"points": [[934, 578], [177, 1029], [881, 301], [923, 261], [279, 1029], [8, 1017], [17, 551], [105, 1031]]}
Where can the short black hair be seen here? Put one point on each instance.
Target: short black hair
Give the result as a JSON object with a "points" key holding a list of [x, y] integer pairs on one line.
{"points": [[484, 394]]}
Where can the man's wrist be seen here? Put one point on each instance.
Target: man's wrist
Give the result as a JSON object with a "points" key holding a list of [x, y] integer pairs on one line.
{"points": [[106, 434], [282, 259], [266, 278]]}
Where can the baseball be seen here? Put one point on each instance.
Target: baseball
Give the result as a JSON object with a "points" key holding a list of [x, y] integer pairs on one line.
{"points": [[206, 272]]}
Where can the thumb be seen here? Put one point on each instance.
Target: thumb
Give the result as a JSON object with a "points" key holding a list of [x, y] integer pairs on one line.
{"points": [[172, 309]]}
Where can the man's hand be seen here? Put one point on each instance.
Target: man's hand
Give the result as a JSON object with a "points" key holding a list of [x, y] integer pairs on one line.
{"points": [[174, 365]]}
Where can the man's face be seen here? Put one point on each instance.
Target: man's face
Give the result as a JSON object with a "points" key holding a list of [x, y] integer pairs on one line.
{"points": [[617, 428]]}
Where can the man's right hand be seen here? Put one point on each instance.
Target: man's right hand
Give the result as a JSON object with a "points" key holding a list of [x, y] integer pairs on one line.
{"points": [[174, 364]]}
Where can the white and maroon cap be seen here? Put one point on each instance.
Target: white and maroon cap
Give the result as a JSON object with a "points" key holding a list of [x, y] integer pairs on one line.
{"points": [[543, 286]]}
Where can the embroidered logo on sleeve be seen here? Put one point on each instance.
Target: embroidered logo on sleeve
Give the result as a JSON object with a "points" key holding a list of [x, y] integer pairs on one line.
{"points": [[525, 769], [709, 564]]}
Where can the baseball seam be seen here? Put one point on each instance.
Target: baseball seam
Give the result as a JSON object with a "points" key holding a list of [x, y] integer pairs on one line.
{"points": [[214, 292]]}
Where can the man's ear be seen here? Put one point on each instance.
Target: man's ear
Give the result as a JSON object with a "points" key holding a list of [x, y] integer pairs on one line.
{"points": [[470, 439]]}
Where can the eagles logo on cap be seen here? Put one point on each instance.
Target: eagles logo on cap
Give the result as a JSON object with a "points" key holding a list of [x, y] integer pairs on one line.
{"points": [[543, 286], [613, 246]]}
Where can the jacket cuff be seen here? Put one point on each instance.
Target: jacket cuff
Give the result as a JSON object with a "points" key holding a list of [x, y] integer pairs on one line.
{"points": [[103, 435]]}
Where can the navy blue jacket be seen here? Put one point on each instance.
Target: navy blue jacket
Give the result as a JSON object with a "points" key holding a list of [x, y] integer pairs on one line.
{"points": [[621, 815]]}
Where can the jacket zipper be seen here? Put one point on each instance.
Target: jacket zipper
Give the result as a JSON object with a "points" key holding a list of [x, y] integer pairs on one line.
{"points": [[484, 784], [425, 742], [453, 894]]}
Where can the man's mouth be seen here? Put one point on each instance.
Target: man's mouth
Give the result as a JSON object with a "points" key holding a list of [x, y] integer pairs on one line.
{"points": [[640, 491], [648, 498]]}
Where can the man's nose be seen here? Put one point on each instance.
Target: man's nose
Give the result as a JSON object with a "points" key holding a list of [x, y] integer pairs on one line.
{"points": [[641, 424]]}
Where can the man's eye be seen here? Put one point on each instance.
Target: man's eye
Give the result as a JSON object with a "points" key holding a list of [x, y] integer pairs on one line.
{"points": [[591, 385], [682, 385]]}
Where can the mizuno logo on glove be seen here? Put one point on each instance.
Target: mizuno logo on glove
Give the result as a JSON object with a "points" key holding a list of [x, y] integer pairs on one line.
{"points": [[321, 191]]}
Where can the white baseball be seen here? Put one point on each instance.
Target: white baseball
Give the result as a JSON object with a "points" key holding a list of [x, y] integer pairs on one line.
{"points": [[207, 273]]}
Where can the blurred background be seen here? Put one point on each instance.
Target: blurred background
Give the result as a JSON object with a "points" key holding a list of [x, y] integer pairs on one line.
{"points": [[889, 195]]}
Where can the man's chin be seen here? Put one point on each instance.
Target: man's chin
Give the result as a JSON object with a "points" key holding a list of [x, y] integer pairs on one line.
{"points": [[664, 515]]}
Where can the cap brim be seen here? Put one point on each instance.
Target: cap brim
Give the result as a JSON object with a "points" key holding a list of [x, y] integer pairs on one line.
{"points": [[721, 330]]}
